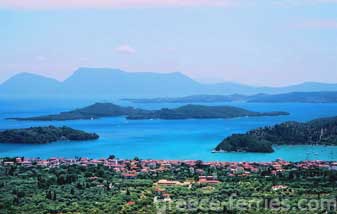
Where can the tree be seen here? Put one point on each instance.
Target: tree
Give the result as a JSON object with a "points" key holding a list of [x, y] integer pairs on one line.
{"points": [[54, 196], [111, 157], [49, 195]]}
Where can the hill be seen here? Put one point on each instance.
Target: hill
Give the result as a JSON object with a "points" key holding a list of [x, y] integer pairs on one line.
{"points": [[316, 132], [100, 110]]}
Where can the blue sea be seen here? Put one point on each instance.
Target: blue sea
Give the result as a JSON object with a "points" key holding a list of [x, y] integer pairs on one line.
{"points": [[160, 139]]}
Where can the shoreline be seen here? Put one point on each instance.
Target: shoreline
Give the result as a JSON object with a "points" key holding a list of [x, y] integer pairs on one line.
{"points": [[102, 160]]}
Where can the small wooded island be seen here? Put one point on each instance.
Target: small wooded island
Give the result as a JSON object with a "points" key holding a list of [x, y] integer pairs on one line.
{"points": [[43, 135], [100, 110], [316, 132]]}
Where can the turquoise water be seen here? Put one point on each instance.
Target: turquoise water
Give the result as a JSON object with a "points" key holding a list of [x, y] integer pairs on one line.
{"points": [[161, 139]]}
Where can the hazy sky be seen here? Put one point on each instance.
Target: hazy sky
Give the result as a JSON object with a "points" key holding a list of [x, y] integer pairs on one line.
{"points": [[259, 42]]}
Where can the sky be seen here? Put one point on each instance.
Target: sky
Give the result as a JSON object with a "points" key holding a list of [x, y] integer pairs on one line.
{"points": [[256, 42]]}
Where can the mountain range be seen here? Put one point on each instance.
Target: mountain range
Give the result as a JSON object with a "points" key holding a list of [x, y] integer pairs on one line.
{"points": [[115, 83]]}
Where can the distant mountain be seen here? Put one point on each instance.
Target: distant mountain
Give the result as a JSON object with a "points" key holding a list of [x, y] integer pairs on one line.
{"points": [[26, 84], [114, 82], [106, 83], [100, 110]]}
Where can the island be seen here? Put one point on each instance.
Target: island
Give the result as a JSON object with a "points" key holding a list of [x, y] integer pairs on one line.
{"points": [[43, 135], [296, 97], [292, 97], [100, 110], [203, 98], [200, 112], [321, 131]]}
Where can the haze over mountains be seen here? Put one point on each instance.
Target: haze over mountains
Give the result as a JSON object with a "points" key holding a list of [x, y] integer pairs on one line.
{"points": [[115, 83]]}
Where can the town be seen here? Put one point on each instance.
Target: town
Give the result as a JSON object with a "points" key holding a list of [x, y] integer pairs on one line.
{"points": [[131, 168], [69, 185]]}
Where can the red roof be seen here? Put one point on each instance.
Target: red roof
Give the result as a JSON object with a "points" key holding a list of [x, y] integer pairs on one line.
{"points": [[204, 181], [129, 175]]}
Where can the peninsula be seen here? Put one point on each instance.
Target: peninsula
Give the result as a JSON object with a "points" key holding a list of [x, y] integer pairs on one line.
{"points": [[321, 131], [43, 135], [100, 110]]}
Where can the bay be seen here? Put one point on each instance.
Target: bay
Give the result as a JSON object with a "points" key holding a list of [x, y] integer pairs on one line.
{"points": [[160, 139]]}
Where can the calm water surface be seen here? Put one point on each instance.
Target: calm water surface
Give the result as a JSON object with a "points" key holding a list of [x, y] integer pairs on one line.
{"points": [[161, 139]]}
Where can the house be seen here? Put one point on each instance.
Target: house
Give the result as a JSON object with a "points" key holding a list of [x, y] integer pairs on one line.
{"points": [[42, 163], [168, 183], [205, 181], [26, 163], [129, 175], [130, 203], [8, 163], [279, 187]]}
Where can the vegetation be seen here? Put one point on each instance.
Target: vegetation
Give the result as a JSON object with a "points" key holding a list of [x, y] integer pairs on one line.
{"points": [[316, 132], [71, 189], [99, 110], [42, 135]]}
